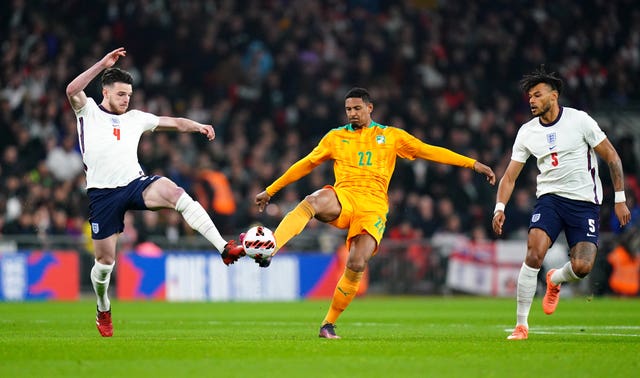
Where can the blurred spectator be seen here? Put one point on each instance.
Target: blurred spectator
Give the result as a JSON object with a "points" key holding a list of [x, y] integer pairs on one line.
{"points": [[59, 222], [426, 219], [404, 231], [13, 205], [213, 191], [625, 264], [63, 161], [174, 228], [23, 225]]}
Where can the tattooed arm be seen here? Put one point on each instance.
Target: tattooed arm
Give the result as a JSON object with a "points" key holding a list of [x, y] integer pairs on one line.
{"points": [[609, 154]]}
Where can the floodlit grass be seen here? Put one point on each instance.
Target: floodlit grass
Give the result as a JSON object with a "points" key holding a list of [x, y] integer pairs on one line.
{"points": [[382, 337]]}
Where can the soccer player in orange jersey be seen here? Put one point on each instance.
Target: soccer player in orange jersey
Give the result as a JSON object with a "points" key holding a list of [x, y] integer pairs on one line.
{"points": [[364, 153]]}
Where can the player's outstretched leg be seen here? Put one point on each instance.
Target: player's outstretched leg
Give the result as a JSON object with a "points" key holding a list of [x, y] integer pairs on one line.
{"points": [[231, 252], [198, 219], [293, 223]]}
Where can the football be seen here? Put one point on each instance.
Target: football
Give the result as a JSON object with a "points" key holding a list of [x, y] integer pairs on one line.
{"points": [[259, 240]]}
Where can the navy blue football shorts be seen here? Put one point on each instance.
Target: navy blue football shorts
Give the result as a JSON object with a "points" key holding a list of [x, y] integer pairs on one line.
{"points": [[580, 220], [107, 206]]}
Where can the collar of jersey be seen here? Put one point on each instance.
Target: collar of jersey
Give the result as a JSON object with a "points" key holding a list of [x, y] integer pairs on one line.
{"points": [[105, 110], [552, 122], [372, 124]]}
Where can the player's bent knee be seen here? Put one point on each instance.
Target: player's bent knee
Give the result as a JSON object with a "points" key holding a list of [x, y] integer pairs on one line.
{"points": [[163, 193], [175, 194], [315, 201], [533, 260], [581, 268], [106, 260], [321, 198], [356, 266]]}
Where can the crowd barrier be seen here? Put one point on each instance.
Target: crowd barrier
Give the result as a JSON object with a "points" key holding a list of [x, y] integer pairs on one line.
{"points": [[173, 276], [40, 275], [474, 268]]}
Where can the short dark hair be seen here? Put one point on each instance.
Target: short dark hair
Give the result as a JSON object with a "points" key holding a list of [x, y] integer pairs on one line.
{"points": [[116, 75], [538, 76], [358, 93]]}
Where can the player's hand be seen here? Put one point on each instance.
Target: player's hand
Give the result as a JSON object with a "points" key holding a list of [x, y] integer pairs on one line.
{"points": [[111, 58], [263, 262], [498, 221], [262, 200], [207, 130], [485, 170], [622, 213]]}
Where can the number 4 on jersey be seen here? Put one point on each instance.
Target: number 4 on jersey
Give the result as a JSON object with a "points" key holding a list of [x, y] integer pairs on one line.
{"points": [[116, 133]]}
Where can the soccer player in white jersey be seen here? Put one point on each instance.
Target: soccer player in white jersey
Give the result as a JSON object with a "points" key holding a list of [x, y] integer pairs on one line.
{"points": [[564, 142], [109, 135]]}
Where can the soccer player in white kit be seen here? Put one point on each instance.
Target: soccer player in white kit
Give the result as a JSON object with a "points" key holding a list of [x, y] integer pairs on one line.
{"points": [[569, 192], [109, 135]]}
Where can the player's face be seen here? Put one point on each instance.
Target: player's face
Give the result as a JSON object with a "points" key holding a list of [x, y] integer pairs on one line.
{"points": [[358, 112], [541, 99], [118, 96]]}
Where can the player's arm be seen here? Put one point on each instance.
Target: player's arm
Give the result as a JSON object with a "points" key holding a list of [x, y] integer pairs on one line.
{"points": [[505, 189], [446, 156], [75, 89], [608, 153], [185, 125], [298, 170]]}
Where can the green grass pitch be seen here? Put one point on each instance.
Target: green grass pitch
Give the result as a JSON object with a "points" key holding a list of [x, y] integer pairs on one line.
{"points": [[381, 337]]}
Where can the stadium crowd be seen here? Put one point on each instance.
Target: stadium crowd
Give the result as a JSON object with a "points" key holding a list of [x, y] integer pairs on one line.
{"points": [[270, 76]]}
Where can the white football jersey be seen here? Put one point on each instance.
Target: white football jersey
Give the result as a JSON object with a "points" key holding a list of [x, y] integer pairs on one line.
{"points": [[564, 151], [109, 144]]}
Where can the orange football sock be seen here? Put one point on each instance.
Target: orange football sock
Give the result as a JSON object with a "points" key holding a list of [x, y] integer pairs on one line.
{"points": [[293, 223], [343, 295]]}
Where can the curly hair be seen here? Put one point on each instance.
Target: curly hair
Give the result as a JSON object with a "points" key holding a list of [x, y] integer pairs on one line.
{"points": [[538, 76]]}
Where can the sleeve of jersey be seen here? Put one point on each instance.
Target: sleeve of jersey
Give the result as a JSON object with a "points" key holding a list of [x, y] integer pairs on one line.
{"points": [[519, 152], [411, 147], [593, 133], [300, 169], [83, 111], [148, 121]]}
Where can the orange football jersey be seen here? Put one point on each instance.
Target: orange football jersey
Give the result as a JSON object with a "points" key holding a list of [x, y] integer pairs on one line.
{"points": [[364, 159]]}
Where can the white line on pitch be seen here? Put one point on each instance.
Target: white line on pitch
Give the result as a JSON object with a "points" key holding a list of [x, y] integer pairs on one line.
{"points": [[584, 331]]}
